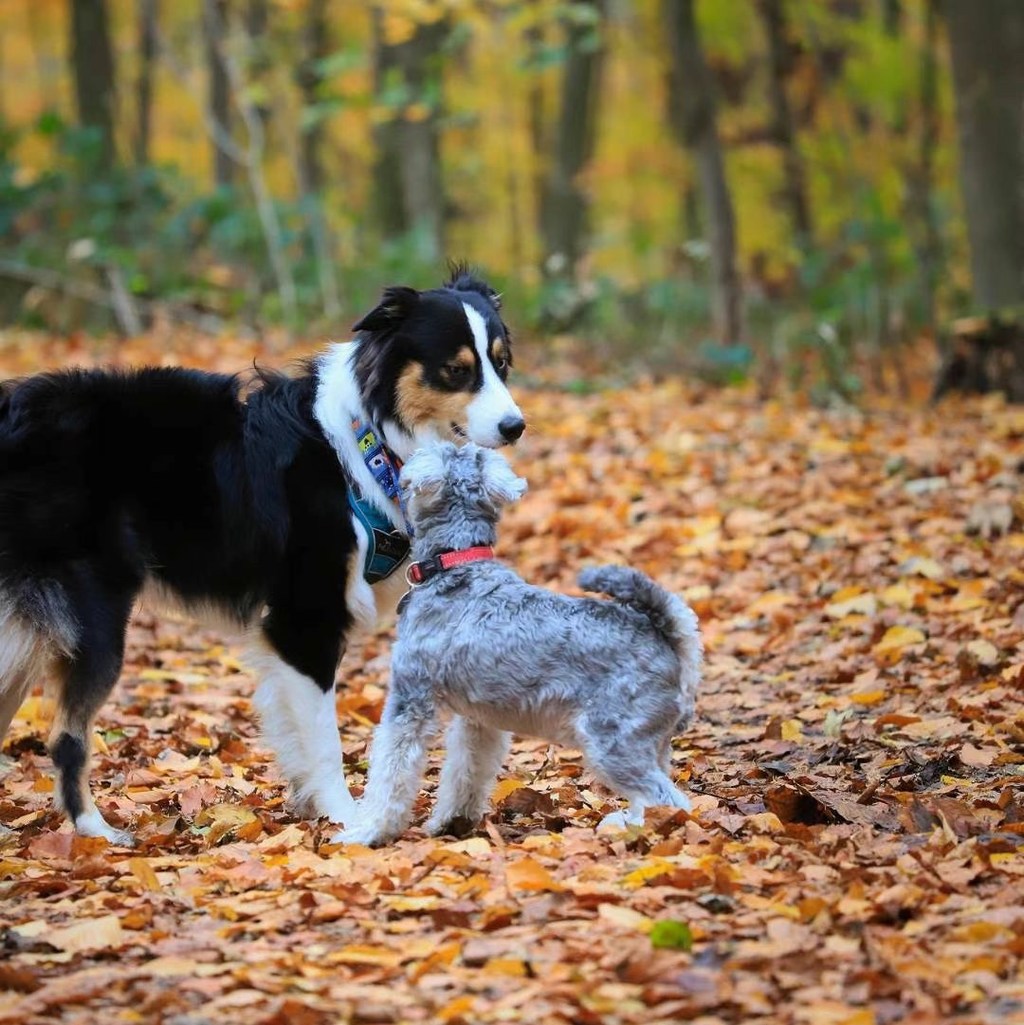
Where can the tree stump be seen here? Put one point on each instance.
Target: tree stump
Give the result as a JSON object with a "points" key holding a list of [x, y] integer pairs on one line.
{"points": [[986, 355]]}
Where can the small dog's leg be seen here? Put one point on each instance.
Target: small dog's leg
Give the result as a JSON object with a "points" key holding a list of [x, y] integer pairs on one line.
{"points": [[397, 759], [475, 754], [299, 721], [632, 770]]}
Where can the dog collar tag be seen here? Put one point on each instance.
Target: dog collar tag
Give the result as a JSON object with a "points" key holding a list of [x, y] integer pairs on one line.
{"points": [[382, 463]]}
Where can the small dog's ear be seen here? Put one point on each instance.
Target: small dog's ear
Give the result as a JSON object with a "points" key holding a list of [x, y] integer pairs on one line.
{"points": [[462, 279], [427, 468], [395, 305], [498, 479]]}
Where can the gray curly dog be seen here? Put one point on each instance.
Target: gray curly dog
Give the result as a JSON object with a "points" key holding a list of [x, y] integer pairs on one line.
{"points": [[615, 679]]}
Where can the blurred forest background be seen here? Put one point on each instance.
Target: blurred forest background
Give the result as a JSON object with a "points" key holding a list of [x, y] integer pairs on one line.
{"points": [[719, 181]]}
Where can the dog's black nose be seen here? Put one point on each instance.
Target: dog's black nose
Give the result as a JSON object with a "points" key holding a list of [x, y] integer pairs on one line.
{"points": [[511, 428]]}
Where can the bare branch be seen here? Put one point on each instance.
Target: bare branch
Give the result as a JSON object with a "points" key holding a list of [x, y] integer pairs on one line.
{"points": [[254, 165], [50, 280]]}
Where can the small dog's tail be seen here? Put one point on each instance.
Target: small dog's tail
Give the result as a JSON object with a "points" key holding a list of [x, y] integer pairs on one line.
{"points": [[669, 615]]}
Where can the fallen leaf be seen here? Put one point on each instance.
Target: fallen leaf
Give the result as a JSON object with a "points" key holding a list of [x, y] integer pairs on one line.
{"points": [[91, 934], [528, 874], [895, 641], [669, 934], [624, 917], [984, 652], [978, 757]]}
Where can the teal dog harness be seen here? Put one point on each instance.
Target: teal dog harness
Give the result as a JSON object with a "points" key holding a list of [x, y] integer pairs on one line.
{"points": [[387, 547]]}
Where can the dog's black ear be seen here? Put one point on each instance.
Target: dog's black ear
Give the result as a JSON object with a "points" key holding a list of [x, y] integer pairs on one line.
{"points": [[395, 305], [462, 279]]}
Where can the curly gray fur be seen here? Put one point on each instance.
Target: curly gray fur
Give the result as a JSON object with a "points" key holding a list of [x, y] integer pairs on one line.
{"points": [[612, 678]]}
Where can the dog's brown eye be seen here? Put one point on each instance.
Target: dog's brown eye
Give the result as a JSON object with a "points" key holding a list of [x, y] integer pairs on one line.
{"points": [[501, 363], [457, 373]]}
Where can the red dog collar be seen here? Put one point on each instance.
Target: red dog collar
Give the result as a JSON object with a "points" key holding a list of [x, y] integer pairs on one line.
{"points": [[421, 572]]}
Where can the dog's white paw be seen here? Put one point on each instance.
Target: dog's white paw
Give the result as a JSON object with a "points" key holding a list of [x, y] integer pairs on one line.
{"points": [[92, 823], [680, 800], [616, 822], [338, 807], [363, 834]]}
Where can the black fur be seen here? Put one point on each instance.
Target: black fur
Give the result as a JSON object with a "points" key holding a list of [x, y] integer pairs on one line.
{"points": [[69, 758], [108, 479]]}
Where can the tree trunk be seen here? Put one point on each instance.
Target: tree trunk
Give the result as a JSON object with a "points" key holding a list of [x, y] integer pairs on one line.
{"points": [[986, 354], [92, 61], [316, 45], [534, 38], [148, 13], [693, 107], [564, 204], [929, 248], [257, 22], [986, 42], [783, 131], [409, 192], [892, 16], [215, 32]]}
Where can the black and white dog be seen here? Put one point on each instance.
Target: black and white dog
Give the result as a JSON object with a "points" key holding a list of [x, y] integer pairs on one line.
{"points": [[275, 506]]}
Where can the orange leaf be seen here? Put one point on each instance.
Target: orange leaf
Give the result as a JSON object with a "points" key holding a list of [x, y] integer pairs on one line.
{"points": [[528, 874], [143, 871]]}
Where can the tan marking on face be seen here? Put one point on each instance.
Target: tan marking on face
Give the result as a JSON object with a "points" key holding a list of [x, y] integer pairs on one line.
{"points": [[465, 357], [418, 404]]}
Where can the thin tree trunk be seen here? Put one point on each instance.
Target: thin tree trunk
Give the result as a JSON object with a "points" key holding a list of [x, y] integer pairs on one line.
{"points": [[148, 13], [930, 246], [257, 22], [92, 59], [388, 200], [316, 46], [694, 108], [408, 180], [215, 21], [252, 160], [986, 42], [564, 207], [536, 120], [892, 16], [774, 17]]}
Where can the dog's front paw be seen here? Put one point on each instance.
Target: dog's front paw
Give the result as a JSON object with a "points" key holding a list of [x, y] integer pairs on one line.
{"points": [[93, 824], [339, 808], [363, 834], [615, 822]]}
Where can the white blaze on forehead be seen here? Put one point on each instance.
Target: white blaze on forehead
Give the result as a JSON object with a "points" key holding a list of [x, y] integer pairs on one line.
{"points": [[493, 402]]}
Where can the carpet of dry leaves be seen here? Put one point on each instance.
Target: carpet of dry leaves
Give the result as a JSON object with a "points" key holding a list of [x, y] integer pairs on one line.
{"points": [[854, 856]]}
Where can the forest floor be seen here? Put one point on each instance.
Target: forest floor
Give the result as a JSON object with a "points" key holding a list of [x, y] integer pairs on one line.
{"points": [[855, 854]]}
